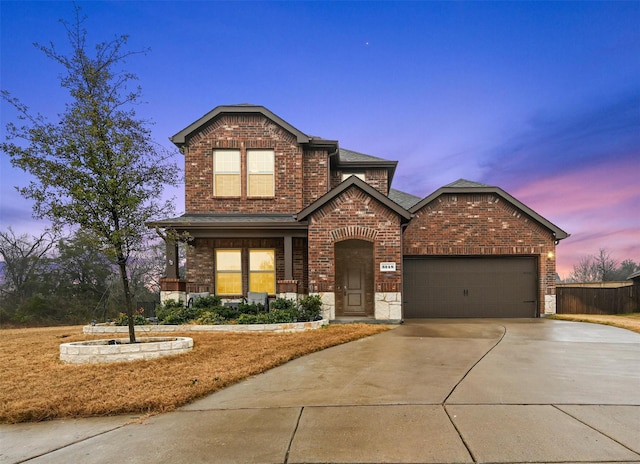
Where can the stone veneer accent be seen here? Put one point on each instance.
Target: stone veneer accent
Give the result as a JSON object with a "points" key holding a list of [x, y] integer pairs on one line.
{"points": [[388, 306], [550, 304], [100, 351], [328, 305], [288, 327]]}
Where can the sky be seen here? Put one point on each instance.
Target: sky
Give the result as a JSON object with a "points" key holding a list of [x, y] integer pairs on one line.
{"points": [[541, 99]]}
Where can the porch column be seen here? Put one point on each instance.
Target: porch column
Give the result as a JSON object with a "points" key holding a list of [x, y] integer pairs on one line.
{"points": [[171, 286], [171, 259], [288, 288], [288, 257]]}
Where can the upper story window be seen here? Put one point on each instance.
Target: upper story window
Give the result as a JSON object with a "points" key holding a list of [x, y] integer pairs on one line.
{"points": [[359, 175], [226, 173], [260, 173]]}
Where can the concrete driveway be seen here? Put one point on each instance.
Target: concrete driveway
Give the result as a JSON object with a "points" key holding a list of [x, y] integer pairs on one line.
{"points": [[431, 391]]}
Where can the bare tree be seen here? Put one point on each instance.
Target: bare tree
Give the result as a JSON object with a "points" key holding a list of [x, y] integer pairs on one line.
{"points": [[605, 265], [24, 263], [585, 271]]}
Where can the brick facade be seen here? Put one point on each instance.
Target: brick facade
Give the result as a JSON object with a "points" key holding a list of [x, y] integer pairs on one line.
{"points": [[244, 132], [354, 215], [377, 178]]}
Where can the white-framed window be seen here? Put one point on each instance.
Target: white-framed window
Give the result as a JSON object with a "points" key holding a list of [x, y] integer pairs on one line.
{"points": [[262, 270], [226, 173], [260, 173], [359, 175], [228, 272]]}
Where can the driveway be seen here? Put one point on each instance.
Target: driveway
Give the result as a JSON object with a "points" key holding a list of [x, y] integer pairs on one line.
{"points": [[429, 391]]}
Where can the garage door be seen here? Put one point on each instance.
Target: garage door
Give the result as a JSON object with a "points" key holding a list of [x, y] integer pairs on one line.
{"points": [[470, 287]]}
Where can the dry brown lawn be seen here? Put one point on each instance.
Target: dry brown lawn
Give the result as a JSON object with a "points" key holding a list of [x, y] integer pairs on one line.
{"points": [[624, 321], [35, 385]]}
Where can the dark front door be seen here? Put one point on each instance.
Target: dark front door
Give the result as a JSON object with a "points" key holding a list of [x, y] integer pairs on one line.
{"points": [[354, 278]]}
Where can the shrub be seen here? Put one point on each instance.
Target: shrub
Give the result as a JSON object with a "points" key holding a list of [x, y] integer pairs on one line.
{"points": [[173, 312], [253, 308], [208, 302], [310, 307], [211, 318], [209, 311], [138, 318]]}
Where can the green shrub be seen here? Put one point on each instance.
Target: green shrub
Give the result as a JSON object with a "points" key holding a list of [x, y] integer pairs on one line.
{"points": [[276, 316], [209, 311], [174, 313], [208, 302], [211, 318], [253, 308], [310, 307]]}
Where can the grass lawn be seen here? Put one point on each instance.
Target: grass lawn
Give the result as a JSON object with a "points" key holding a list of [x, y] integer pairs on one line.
{"points": [[35, 385], [624, 321]]}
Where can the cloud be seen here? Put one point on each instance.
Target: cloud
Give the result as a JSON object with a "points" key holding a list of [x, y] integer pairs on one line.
{"points": [[598, 204], [554, 142]]}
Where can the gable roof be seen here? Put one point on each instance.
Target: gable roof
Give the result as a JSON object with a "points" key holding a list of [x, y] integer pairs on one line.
{"points": [[362, 185], [179, 139], [467, 186]]}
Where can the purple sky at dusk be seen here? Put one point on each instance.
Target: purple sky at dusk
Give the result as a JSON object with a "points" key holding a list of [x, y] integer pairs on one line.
{"points": [[541, 99]]}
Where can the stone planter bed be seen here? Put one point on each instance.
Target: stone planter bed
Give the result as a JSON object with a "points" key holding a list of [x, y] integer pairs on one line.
{"points": [[277, 328], [120, 350]]}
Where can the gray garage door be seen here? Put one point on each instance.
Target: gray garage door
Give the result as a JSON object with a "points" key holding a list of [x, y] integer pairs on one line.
{"points": [[470, 287]]}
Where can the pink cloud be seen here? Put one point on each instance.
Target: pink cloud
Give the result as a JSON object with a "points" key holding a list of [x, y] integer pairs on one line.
{"points": [[598, 205]]}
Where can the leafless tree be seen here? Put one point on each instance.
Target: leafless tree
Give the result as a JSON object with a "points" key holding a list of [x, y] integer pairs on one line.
{"points": [[24, 262]]}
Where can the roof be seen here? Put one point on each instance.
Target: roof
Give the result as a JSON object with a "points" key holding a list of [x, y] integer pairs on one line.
{"points": [[406, 200], [350, 156], [635, 275], [350, 159], [228, 221], [467, 186], [180, 138], [466, 183], [362, 185]]}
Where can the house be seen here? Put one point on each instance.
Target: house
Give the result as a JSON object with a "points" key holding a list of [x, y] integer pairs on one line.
{"points": [[272, 209]]}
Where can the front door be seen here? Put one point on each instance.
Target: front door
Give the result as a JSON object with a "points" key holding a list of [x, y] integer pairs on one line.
{"points": [[354, 278]]}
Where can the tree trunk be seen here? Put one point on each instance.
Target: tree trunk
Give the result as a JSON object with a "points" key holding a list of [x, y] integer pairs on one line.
{"points": [[122, 263]]}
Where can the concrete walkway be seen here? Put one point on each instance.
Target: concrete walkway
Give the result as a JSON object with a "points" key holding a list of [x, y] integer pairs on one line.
{"points": [[437, 391]]}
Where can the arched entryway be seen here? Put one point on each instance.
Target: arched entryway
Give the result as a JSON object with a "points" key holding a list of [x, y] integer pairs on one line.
{"points": [[354, 278]]}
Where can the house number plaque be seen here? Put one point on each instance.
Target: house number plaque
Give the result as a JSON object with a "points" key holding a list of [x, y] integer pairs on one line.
{"points": [[387, 267]]}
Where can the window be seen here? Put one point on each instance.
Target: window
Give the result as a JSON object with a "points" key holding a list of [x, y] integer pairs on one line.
{"points": [[359, 175], [226, 173], [228, 272], [262, 271], [260, 178]]}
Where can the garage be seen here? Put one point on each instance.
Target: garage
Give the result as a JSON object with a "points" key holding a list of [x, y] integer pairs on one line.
{"points": [[451, 287]]}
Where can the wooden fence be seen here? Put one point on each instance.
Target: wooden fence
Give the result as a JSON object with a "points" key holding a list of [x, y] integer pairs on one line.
{"points": [[598, 300]]}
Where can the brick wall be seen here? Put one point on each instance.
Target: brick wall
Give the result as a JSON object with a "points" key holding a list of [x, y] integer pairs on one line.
{"points": [[316, 176], [354, 215], [481, 224], [377, 178], [243, 132]]}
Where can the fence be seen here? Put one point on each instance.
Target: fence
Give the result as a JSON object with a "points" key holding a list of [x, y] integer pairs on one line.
{"points": [[597, 300]]}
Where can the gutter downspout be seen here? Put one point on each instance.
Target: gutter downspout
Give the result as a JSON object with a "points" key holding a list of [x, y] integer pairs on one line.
{"points": [[329, 167]]}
